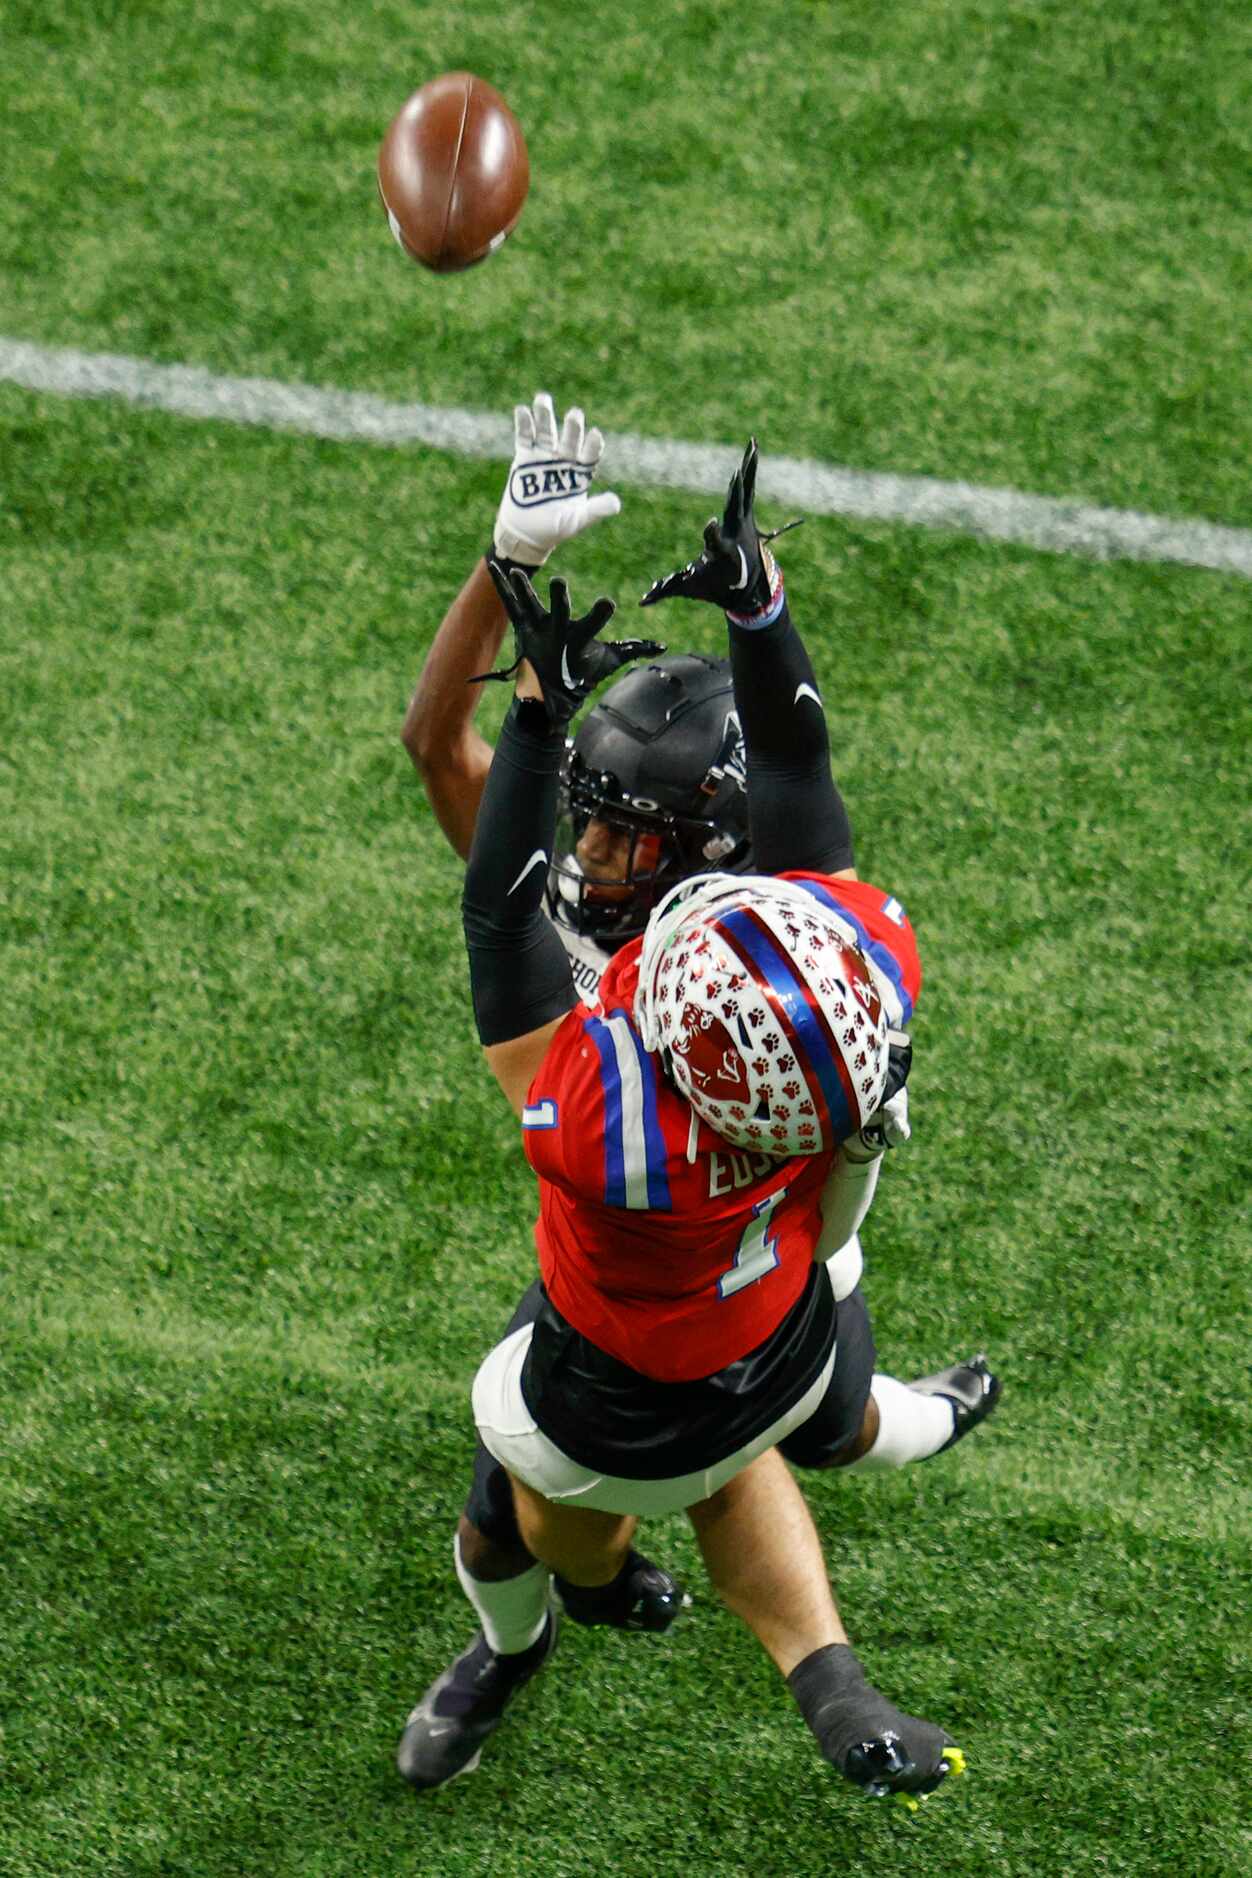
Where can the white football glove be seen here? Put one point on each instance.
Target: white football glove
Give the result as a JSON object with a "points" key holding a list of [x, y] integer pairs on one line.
{"points": [[546, 500], [887, 1127], [893, 1117]]}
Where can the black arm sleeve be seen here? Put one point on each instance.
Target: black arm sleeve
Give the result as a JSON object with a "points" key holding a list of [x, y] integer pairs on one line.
{"points": [[795, 811], [519, 974]]}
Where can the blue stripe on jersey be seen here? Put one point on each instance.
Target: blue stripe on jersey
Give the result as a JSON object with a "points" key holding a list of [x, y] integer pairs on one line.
{"points": [[882, 955], [767, 953], [611, 1083], [654, 1140]]}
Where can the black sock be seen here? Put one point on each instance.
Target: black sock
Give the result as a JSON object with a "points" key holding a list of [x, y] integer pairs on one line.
{"points": [[844, 1710]]}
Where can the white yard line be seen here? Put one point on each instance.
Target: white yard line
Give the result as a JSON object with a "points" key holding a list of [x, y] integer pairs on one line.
{"points": [[1068, 527]]}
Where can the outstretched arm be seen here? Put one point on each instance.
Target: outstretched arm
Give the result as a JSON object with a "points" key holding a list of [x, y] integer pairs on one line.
{"points": [[449, 753], [797, 815], [519, 972], [520, 975], [796, 812], [546, 501]]}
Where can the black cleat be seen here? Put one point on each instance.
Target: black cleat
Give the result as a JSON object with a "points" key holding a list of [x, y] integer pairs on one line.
{"points": [[876, 1745], [658, 1598], [971, 1389], [444, 1735], [643, 1596], [883, 1766]]}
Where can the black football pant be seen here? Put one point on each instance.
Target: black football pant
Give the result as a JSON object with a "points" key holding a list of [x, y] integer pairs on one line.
{"points": [[818, 1442]]}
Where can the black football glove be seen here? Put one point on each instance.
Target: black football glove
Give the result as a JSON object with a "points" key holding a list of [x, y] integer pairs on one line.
{"points": [[899, 1063], [735, 570], [563, 653]]}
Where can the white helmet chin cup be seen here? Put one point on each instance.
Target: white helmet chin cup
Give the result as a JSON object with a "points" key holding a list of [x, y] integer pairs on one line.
{"points": [[767, 1009]]}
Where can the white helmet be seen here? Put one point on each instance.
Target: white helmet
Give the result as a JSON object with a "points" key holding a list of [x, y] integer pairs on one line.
{"points": [[766, 1010]]}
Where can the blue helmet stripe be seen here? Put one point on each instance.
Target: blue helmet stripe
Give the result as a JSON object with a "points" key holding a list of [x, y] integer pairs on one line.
{"points": [[882, 955], [767, 954]]}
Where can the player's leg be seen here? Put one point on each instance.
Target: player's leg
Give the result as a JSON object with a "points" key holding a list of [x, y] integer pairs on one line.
{"points": [[872, 1420], [500, 1576], [511, 1595], [911, 1421], [765, 1561], [608, 1583], [581, 1544], [504, 1582], [489, 1546], [510, 1590], [599, 1576], [486, 1559]]}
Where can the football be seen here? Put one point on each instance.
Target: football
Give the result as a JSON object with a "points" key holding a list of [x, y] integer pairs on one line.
{"points": [[453, 172]]}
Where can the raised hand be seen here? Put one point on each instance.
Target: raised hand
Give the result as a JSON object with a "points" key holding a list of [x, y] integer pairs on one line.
{"points": [[735, 569], [564, 653], [547, 497]]}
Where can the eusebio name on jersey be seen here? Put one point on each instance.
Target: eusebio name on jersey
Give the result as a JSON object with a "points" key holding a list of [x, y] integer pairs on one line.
{"points": [[732, 1168]]}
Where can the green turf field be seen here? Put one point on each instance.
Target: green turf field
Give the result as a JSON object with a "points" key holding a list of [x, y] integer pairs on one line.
{"points": [[261, 1211]]}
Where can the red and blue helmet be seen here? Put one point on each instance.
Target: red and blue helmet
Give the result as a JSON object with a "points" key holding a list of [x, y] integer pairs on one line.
{"points": [[765, 1009]]}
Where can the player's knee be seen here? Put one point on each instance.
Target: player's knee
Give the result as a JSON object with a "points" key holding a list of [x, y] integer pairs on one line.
{"points": [[823, 1455], [487, 1559], [864, 1439], [823, 1463]]}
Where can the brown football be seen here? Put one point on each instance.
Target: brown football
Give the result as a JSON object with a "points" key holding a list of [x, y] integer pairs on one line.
{"points": [[453, 172]]}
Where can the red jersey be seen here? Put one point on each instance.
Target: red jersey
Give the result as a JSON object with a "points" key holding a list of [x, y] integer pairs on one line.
{"points": [[661, 1244]]}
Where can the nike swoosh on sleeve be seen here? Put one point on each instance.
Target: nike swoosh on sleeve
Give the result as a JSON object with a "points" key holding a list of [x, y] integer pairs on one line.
{"points": [[537, 859], [806, 691]]}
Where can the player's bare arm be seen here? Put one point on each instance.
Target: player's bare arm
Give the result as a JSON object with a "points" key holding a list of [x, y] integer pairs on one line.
{"points": [[450, 754], [547, 500], [520, 975]]}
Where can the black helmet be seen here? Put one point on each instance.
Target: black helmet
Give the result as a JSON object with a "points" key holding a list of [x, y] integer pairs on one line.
{"points": [[661, 757]]}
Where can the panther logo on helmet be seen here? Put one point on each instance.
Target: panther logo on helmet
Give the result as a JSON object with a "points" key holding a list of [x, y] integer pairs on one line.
{"points": [[712, 1059]]}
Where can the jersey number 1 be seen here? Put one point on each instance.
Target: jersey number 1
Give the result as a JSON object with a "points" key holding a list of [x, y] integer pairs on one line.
{"points": [[757, 1253]]}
